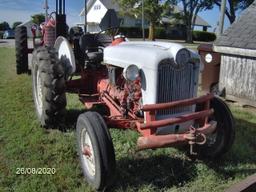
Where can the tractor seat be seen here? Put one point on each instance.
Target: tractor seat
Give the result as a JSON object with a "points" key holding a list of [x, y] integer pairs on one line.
{"points": [[90, 45], [95, 56]]}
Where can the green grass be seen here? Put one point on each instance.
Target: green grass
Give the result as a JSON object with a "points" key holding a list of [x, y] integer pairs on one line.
{"points": [[24, 144]]}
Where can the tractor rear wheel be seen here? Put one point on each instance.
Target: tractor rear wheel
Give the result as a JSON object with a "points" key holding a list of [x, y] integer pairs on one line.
{"points": [[219, 142], [21, 45], [95, 150], [48, 87]]}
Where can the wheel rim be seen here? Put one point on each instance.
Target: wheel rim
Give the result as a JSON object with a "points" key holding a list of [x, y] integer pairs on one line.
{"points": [[212, 139], [39, 93], [88, 158]]}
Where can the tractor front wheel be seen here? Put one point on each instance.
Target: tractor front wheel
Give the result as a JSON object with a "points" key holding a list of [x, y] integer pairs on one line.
{"points": [[219, 142], [95, 150], [48, 87]]}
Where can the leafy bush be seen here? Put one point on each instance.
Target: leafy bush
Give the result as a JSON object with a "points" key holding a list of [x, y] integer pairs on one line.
{"points": [[136, 32], [1, 34], [203, 36], [132, 32], [160, 33]]}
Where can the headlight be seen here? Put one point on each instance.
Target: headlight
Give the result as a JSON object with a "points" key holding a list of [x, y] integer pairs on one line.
{"points": [[183, 56], [208, 58], [131, 73]]}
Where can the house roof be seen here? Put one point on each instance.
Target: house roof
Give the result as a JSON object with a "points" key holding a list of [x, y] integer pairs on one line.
{"points": [[201, 22], [241, 34], [109, 4], [172, 20]]}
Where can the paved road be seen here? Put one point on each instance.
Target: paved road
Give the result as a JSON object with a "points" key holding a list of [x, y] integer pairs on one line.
{"points": [[11, 43]]}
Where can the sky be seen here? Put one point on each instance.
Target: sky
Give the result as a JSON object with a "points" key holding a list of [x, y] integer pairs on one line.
{"points": [[21, 10]]}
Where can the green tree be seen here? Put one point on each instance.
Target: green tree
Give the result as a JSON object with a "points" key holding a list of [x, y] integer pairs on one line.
{"points": [[4, 26], [233, 7], [191, 8], [15, 24], [38, 18], [153, 9]]}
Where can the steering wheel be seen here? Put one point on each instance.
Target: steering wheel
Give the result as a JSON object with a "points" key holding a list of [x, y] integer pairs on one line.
{"points": [[110, 28]]}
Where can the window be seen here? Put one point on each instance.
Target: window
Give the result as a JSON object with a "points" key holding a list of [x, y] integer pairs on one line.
{"points": [[97, 7]]}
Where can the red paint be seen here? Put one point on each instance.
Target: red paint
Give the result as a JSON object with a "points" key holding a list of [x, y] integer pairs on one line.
{"points": [[181, 103], [118, 40], [172, 140], [176, 120], [87, 151]]}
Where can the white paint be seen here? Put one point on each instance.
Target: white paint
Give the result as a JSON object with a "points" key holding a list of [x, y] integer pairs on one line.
{"points": [[96, 13], [235, 51], [145, 55], [208, 58], [66, 55]]}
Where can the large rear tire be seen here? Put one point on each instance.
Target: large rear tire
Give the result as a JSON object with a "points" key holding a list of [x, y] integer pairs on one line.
{"points": [[21, 45], [219, 142], [48, 87], [96, 150]]}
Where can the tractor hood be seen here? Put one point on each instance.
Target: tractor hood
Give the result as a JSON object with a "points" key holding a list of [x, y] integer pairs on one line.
{"points": [[147, 56], [140, 53]]}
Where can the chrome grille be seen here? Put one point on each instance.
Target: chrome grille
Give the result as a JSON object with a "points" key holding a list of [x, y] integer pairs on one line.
{"points": [[175, 83]]}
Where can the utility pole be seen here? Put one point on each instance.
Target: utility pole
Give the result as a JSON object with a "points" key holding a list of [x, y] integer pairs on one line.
{"points": [[46, 7], [85, 16], [222, 16], [143, 21]]}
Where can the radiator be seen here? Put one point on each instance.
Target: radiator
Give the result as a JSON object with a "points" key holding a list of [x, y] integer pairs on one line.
{"points": [[176, 83]]}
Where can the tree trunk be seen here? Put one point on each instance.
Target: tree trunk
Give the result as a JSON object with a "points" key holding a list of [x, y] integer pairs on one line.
{"points": [[151, 36], [230, 13], [232, 17], [189, 35], [189, 38]]}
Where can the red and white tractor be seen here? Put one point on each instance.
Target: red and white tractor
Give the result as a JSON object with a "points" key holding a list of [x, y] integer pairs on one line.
{"points": [[149, 87]]}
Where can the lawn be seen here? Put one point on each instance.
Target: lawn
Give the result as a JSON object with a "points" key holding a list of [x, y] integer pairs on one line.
{"points": [[23, 143]]}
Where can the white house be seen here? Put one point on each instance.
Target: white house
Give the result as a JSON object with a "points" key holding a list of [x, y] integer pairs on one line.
{"points": [[96, 9]]}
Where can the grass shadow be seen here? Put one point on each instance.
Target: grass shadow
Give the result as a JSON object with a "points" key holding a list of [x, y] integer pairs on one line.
{"points": [[72, 115], [71, 119], [157, 171], [242, 153]]}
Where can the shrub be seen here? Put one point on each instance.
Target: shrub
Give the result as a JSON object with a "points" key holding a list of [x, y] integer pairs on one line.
{"points": [[1, 34], [136, 32], [160, 33], [132, 32], [203, 36]]}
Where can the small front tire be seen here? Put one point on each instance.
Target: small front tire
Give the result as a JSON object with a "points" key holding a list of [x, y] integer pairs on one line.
{"points": [[219, 142], [95, 150]]}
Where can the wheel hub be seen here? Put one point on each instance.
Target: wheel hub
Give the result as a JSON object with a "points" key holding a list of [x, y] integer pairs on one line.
{"points": [[39, 93], [88, 158], [87, 151]]}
